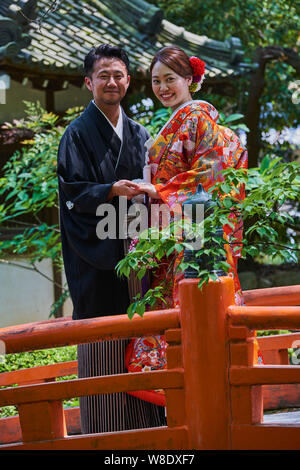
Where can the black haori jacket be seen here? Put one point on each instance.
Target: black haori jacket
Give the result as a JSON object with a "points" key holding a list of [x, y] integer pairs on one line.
{"points": [[91, 158]]}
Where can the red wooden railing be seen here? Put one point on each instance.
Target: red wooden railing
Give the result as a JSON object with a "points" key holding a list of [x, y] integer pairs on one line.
{"points": [[275, 348], [212, 373]]}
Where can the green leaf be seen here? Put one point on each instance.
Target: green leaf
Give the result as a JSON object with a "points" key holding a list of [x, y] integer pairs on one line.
{"points": [[234, 117]]}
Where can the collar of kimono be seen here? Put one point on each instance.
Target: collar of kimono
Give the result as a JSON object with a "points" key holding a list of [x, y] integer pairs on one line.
{"points": [[119, 127], [178, 116]]}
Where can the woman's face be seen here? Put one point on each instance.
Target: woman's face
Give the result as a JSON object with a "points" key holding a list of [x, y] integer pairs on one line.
{"points": [[169, 87]]}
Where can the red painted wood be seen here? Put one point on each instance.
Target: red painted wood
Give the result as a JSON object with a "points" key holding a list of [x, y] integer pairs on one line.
{"points": [[38, 374], [265, 318], [155, 438], [264, 375], [279, 342], [265, 437], [210, 321], [10, 429], [205, 361], [285, 295], [44, 420], [280, 396], [50, 335], [91, 386]]}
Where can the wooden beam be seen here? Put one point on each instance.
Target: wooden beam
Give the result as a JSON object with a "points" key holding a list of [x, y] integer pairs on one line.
{"points": [[38, 374], [33, 336], [278, 342], [53, 391], [265, 437], [146, 439], [265, 318], [10, 429], [285, 295], [264, 375]]}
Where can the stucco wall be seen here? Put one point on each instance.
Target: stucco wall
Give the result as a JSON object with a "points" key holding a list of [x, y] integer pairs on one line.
{"points": [[14, 96], [26, 296]]}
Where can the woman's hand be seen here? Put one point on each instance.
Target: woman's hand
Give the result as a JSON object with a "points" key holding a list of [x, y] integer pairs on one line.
{"points": [[149, 189]]}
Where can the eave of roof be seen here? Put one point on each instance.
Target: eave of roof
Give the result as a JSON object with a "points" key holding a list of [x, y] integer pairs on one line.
{"points": [[60, 40]]}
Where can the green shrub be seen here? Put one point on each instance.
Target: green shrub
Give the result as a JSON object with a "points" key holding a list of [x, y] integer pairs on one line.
{"points": [[26, 360]]}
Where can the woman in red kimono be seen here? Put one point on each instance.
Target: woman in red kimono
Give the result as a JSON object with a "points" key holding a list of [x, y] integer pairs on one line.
{"points": [[190, 149]]}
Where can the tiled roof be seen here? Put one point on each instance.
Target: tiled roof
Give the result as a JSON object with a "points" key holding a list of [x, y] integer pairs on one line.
{"points": [[60, 38]]}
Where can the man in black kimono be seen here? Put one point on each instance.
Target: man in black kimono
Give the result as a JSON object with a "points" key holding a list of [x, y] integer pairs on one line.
{"points": [[100, 153]]}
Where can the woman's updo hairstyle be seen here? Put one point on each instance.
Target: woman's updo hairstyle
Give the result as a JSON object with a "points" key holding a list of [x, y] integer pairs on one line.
{"points": [[174, 58]]}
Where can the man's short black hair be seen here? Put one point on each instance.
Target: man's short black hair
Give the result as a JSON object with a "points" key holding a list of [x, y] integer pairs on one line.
{"points": [[104, 50]]}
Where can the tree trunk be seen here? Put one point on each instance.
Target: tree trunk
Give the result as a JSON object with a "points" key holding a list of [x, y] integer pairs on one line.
{"points": [[257, 83]]}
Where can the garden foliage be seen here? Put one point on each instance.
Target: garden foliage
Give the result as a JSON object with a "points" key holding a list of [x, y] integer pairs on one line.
{"points": [[29, 188]]}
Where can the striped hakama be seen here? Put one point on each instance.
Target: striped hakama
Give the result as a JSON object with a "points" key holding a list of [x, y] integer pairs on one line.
{"points": [[117, 411]]}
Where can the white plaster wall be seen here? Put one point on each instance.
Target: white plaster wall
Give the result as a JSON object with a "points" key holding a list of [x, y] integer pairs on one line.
{"points": [[26, 296], [14, 96]]}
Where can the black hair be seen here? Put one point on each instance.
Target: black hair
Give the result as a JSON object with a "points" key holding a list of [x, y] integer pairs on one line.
{"points": [[104, 50], [174, 58]]}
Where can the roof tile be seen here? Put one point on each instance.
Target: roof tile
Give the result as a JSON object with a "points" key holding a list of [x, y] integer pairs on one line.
{"points": [[65, 36]]}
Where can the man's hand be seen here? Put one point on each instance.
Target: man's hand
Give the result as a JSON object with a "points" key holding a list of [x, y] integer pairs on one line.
{"points": [[125, 188]]}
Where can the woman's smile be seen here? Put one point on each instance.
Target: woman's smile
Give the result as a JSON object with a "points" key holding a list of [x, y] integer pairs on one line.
{"points": [[166, 96]]}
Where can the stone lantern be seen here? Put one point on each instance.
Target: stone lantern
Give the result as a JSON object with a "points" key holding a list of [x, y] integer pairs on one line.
{"points": [[203, 261]]}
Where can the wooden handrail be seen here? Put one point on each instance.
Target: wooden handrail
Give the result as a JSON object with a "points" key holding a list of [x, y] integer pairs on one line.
{"points": [[218, 344], [265, 318], [277, 342], [263, 375], [38, 374], [54, 334], [91, 386], [286, 295]]}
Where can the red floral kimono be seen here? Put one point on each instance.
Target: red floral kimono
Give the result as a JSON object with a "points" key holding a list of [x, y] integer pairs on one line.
{"points": [[191, 149]]}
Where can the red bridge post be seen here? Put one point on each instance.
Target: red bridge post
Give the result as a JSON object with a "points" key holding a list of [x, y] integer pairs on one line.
{"points": [[206, 362]]}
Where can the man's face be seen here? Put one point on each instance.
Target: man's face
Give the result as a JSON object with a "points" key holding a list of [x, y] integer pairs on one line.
{"points": [[108, 82]]}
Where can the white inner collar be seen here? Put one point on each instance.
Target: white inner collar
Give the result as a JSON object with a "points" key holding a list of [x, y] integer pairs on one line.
{"points": [[119, 127]]}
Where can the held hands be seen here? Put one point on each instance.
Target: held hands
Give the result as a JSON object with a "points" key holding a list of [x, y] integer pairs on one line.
{"points": [[149, 189], [125, 188], [130, 189]]}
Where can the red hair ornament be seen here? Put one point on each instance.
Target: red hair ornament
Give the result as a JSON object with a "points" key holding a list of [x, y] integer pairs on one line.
{"points": [[198, 67]]}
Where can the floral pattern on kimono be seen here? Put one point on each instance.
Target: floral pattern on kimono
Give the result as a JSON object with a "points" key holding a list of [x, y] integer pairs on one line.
{"points": [[191, 149]]}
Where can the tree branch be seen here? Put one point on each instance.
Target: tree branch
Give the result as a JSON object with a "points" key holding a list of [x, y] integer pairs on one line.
{"points": [[33, 269]]}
